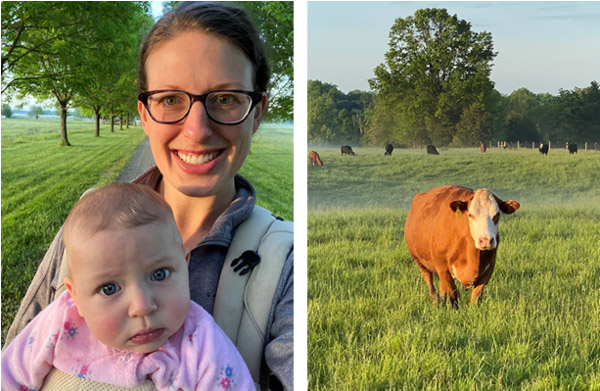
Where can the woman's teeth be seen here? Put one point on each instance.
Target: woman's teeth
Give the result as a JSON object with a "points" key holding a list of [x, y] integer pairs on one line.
{"points": [[196, 159]]}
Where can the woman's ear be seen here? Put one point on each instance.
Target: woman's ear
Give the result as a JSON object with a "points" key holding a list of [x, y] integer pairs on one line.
{"points": [[71, 288], [143, 115]]}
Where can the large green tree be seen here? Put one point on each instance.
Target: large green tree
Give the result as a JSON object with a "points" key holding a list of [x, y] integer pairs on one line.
{"points": [[436, 68], [60, 54]]}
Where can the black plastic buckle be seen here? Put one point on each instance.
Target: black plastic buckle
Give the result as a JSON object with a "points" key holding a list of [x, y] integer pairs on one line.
{"points": [[249, 259]]}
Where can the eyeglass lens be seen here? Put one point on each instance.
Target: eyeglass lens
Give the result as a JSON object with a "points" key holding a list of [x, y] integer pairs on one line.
{"points": [[222, 106]]}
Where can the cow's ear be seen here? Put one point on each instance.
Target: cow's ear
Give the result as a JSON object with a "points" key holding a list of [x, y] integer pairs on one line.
{"points": [[509, 206], [459, 206]]}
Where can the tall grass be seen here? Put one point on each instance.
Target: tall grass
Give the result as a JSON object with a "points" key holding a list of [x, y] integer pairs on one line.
{"points": [[370, 322], [41, 181]]}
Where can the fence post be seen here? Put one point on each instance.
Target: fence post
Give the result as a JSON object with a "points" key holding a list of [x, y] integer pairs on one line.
{"points": [[518, 145], [586, 146], [549, 145]]}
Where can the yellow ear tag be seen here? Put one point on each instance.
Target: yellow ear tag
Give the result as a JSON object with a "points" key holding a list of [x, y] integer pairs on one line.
{"points": [[458, 213]]}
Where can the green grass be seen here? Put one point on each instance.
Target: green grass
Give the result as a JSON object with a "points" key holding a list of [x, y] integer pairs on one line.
{"points": [[41, 181], [269, 167], [371, 325]]}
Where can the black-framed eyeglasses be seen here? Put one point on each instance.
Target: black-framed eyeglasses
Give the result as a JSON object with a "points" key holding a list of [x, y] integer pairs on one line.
{"points": [[225, 107]]}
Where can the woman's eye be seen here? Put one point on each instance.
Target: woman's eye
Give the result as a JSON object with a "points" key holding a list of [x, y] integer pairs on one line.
{"points": [[109, 289], [225, 99], [160, 274], [170, 100]]}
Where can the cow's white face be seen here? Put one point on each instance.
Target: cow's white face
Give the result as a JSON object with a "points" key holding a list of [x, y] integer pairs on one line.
{"points": [[484, 216]]}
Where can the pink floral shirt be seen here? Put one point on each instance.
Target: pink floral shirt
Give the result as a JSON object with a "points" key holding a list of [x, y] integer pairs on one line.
{"points": [[197, 357]]}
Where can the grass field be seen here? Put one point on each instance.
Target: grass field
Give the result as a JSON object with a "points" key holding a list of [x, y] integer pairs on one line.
{"points": [[41, 181], [370, 323]]}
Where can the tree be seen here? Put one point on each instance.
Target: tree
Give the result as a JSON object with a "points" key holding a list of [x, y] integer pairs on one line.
{"points": [[7, 111], [64, 66], [35, 111], [435, 68], [475, 126], [520, 121]]}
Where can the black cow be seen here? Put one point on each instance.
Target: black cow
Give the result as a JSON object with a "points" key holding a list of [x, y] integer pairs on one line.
{"points": [[572, 148], [543, 149], [388, 149], [431, 150], [347, 150]]}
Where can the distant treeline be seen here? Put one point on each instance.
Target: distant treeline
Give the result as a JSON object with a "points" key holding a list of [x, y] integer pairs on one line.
{"points": [[571, 116], [434, 87]]}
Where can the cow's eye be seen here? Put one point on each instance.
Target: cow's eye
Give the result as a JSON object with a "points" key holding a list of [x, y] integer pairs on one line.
{"points": [[471, 216], [496, 218]]}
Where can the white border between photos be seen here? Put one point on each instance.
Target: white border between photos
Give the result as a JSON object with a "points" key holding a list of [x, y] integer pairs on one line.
{"points": [[300, 196]]}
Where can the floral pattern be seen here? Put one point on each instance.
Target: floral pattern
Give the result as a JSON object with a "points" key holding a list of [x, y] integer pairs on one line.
{"points": [[192, 334], [83, 372], [226, 381]]}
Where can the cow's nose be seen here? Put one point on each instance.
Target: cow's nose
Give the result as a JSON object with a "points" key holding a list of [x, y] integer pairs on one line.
{"points": [[486, 242]]}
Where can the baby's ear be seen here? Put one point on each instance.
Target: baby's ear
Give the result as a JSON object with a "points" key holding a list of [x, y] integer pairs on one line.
{"points": [[71, 289]]}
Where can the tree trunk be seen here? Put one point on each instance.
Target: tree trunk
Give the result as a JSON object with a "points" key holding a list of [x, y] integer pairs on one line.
{"points": [[127, 121], [64, 140], [121, 122], [112, 123], [97, 129]]}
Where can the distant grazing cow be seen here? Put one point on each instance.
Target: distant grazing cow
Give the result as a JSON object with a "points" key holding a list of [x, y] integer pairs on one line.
{"points": [[347, 150], [543, 149], [482, 147], [431, 150], [572, 148], [315, 159], [388, 149], [452, 231]]}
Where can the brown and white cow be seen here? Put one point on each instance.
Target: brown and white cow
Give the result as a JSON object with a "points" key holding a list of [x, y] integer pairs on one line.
{"points": [[452, 231], [315, 159]]}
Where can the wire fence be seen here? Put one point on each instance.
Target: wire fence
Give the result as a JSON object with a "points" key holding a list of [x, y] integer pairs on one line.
{"points": [[516, 145]]}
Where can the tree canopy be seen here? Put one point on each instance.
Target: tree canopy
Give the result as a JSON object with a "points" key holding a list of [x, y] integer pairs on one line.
{"points": [[435, 69], [68, 50]]}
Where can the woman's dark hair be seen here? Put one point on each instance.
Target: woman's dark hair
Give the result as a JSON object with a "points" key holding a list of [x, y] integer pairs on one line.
{"points": [[220, 19]]}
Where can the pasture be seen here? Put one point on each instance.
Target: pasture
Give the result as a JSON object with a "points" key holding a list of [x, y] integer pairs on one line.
{"points": [[41, 181], [370, 322]]}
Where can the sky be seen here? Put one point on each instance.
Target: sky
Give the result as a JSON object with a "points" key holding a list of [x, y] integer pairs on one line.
{"points": [[542, 46]]}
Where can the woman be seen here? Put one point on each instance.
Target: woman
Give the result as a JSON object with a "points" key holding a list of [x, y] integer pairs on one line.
{"points": [[203, 77]]}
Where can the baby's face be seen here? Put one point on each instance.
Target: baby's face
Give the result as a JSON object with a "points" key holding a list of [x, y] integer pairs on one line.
{"points": [[131, 285]]}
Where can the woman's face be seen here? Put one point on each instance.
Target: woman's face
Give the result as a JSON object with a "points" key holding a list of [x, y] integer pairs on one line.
{"points": [[197, 156]]}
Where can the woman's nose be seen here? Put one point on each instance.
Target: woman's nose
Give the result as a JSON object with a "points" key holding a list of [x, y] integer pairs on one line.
{"points": [[197, 124], [142, 302]]}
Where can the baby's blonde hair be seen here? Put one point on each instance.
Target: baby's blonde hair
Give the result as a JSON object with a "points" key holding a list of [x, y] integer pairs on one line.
{"points": [[120, 205]]}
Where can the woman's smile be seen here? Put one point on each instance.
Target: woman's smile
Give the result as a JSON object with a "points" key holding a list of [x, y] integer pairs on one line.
{"points": [[195, 163]]}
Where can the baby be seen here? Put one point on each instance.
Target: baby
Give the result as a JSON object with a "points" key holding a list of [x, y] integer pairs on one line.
{"points": [[126, 315]]}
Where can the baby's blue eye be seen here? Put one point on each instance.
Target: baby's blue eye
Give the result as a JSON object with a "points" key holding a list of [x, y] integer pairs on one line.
{"points": [[160, 274], [109, 289]]}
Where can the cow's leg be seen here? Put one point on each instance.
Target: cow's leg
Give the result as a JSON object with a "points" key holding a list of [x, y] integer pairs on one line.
{"points": [[477, 294], [448, 287], [428, 277]]}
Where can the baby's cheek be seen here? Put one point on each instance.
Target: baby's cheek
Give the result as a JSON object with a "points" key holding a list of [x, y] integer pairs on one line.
{"points": [[107, 329]]}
